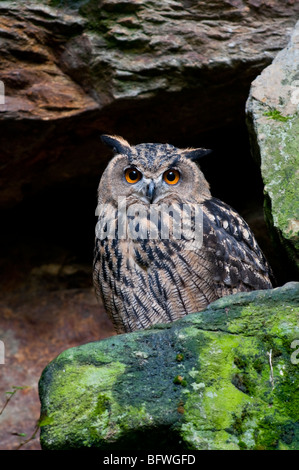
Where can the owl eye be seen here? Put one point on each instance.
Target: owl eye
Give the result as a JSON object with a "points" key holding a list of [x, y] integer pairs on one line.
{"points": [[171, 176], [132, 175]]}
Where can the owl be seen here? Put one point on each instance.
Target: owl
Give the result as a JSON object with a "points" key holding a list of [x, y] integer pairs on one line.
{"points": [[164, 246]]}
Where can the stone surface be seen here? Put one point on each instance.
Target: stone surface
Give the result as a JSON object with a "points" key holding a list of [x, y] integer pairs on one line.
{"points": [[147, 70], [224, 378], [273, 117]]}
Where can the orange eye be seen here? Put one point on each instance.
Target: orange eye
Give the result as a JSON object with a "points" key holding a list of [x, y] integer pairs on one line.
{"points": [[171, 176], [132, 175]]}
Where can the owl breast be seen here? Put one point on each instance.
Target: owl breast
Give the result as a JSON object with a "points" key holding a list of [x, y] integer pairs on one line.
{"points": [[145, 276]]}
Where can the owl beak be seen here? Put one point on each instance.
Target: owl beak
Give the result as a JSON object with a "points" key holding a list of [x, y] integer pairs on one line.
{"points": [[150, 192]]}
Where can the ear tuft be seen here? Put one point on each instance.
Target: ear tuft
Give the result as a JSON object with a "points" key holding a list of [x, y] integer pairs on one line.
{"points": [[196, 154], [116, 143]]}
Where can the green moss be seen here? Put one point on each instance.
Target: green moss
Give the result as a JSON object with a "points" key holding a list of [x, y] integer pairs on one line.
{"points": [[259, 364], [242, 445], [276, 115], [180, 357], [45, 421], [69, 405], [135, 418], [211, 408], [179, 380], [280, 158], [103, 404], [119, 393], [235, 369]]}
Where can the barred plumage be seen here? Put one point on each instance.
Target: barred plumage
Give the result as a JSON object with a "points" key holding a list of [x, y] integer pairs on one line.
{"points": [[145, 280]]}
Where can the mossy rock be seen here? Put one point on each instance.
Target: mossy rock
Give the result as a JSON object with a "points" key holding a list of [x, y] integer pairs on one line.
{"points": [[224, 378]]}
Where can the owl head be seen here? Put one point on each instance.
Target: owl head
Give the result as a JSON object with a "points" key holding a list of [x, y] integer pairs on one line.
{"points": [[152, 173]]}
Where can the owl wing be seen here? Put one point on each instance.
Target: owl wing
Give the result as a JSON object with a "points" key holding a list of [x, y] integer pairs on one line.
{"points": [[237, 261]]}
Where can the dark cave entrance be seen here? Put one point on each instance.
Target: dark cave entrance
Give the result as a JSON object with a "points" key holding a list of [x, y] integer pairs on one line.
{"points": [[55, 227]]}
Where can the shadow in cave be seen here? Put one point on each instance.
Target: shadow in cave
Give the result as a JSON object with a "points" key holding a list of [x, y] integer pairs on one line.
{"points": [[57, 225]]}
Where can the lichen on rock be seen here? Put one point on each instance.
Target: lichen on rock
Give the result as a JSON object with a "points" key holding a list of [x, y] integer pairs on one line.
{"points": [[235, 385]]}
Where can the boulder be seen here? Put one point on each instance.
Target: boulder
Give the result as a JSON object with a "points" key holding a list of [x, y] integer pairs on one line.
{"points": [[166, 70], [224, 378], [273, 121]]}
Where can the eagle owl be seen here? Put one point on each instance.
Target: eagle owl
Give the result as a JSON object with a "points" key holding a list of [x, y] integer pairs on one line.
{"points": [[144, 276]]}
